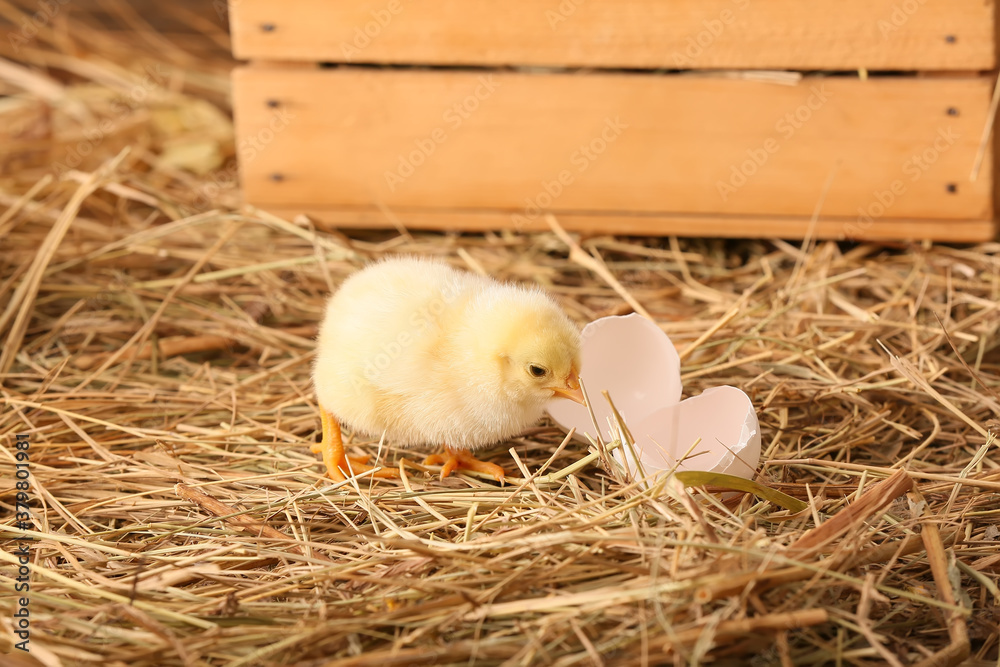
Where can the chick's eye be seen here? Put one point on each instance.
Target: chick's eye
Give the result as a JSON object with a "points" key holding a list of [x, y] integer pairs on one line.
{"points": [[537, 371]]}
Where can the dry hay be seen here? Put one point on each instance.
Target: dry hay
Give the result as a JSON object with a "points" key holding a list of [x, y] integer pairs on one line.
{"points": [[179, 518]]}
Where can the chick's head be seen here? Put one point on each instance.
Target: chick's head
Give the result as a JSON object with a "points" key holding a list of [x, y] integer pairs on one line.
{"points": [[534, 347]]}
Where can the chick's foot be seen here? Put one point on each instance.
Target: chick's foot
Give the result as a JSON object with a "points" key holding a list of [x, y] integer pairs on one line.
{"points": [[461, 459], [338, 464]]}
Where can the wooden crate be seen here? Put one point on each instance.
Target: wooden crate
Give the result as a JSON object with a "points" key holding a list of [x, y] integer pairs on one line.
{"points": [[466, 114]]}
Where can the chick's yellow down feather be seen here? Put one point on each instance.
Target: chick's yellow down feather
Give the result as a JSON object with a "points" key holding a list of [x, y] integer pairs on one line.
{"points": [[429, 355]]}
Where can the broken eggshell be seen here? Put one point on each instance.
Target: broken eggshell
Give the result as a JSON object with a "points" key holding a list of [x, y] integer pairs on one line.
{"points": [[634, 361]]}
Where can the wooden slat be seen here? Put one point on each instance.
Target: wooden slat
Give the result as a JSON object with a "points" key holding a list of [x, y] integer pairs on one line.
{"points": [[342, 138], [676, 34], [840, 229]]}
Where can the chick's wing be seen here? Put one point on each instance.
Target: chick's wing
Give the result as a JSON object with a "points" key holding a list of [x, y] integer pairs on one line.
{"points": [[389, 328]]}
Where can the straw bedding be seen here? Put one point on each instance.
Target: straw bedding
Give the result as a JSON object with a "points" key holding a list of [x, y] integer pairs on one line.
{"points": [[157, 349]]}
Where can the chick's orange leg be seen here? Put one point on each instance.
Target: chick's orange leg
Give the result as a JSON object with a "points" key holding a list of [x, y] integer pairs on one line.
{"points": [[336, 461], [461, 459]]}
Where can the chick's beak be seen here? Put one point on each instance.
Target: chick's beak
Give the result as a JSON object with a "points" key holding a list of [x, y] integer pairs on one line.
{"points": [[571, 391]]}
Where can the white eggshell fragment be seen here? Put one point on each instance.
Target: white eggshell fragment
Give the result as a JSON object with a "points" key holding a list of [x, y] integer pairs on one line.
{"points": [[722, 422], [635, 362]]}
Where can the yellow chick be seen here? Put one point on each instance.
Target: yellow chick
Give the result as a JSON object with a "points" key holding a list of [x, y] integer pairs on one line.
{"points": [[429, 355]]}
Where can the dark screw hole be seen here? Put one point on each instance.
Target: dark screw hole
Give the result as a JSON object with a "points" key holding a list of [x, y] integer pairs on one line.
{"points": [[277, 178], [951, 188], [274, 104], [268, 27], [952, 111], [951, 39]]}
